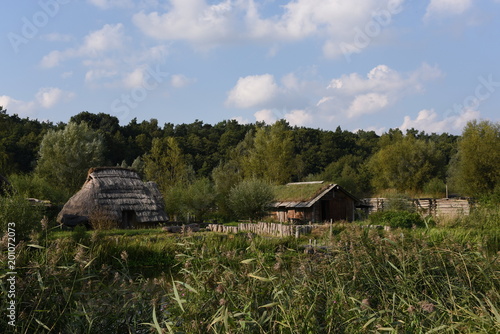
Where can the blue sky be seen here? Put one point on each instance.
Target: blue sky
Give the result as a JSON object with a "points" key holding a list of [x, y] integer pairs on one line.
{"points": [[367, 64]]}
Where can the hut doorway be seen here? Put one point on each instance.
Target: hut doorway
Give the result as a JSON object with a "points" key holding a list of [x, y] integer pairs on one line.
{"points": [[326, 212], [128, 219]]}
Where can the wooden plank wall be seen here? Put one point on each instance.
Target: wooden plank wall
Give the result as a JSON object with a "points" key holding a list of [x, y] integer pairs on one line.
{"points": [[432, 206]]}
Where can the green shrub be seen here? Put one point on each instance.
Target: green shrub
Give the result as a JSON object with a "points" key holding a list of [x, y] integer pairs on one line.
{"points": [[18, 213], [399, 202], [397, 219]]}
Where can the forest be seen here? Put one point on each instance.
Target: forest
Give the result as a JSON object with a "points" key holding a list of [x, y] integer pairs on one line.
{"points": [[195, 165], [433, 275]]}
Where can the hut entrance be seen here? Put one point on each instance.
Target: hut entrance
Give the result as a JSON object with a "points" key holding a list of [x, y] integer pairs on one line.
{"points": [[128, 219], [326, 213]]}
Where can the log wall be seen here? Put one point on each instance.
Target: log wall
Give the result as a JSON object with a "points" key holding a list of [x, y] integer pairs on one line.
{"points": [[431, 206]]}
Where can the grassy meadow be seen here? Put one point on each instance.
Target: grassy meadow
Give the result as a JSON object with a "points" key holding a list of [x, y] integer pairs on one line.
{"points": [[340, 279]]}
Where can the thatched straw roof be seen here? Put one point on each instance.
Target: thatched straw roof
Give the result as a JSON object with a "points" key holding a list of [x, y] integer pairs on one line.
{"points": [[113, 193]]}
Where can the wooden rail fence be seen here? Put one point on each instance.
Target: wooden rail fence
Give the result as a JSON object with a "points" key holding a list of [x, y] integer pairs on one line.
{"points": [[260, 228]]}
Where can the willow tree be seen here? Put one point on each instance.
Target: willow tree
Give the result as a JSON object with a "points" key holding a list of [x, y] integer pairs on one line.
{"points": [[251, 199], [406, 164], [66, 155], [476, 171]]}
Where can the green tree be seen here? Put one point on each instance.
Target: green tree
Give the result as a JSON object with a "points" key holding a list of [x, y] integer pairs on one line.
{"points": [[350, 172], [251, 199], [225, 177], [165, 163], [66, 155], [199, 199], [476, 171], [405, 164], [272, 155]]}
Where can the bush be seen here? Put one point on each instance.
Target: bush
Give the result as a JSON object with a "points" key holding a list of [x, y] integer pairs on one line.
{"points": [[399, 202], [25, 216], [397, 219]]}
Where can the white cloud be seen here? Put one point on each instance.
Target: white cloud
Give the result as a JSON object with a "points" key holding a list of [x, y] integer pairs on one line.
{"points": [[355, 95], [96, 43], [367, 104], [67, 74], [265, 115], [295, 117], [384, 79], [241, 120], [47, 97], [107, 4], [206, 25], [298, 117], [180, 81], [13, 106], [136, 78], [253, 91], [428, 121], [94, 75], [57, 37], [192, 20], [441, 8], [342, 99]]}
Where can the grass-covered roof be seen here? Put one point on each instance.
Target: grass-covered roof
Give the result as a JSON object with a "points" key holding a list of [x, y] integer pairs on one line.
{"points": [[300, 191]]}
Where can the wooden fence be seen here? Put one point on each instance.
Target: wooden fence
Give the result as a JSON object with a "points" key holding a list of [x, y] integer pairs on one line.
{"points": [[260, 228], [430, 206]]}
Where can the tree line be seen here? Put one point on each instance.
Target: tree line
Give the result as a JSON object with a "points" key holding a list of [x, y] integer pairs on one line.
{"points": [[197, 165]]}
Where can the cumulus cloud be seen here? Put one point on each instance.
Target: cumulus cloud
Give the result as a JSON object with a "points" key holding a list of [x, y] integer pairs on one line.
{"points": [[206, 25], [110, 37], [135, 78], [367, 104], [14, 106], [241, 120], [57, 37], [265, 115], [180, 81], [192, 20], [441, 8], [253, 91], [298, 118], [46, 97], [341, 99], [107, 4], [428, 120], [356, 95], [94, 75]]}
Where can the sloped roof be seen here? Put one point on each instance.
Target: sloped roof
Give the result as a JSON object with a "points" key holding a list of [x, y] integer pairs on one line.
{"points": [[304, 194], [109, 191]]}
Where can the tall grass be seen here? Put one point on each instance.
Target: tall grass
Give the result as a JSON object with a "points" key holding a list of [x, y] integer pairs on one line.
{"points": [[355, 281]]}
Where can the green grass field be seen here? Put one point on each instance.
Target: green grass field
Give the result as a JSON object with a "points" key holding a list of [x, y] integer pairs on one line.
{"points": [[443, 279]]}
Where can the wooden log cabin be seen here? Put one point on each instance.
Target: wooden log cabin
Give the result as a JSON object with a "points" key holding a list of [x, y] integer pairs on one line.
{"points": [[313, 202]]}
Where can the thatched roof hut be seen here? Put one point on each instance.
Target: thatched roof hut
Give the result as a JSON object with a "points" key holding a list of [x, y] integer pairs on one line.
{"points": [[115, 194]]}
